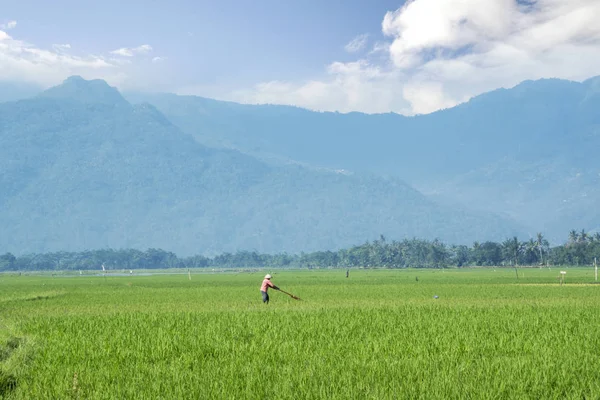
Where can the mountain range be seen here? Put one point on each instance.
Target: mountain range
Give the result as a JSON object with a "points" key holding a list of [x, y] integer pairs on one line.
{"points": [[83, 167], [528, 153]]}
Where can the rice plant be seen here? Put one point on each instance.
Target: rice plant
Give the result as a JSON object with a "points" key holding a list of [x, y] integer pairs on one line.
{"points": [[379, 334]]}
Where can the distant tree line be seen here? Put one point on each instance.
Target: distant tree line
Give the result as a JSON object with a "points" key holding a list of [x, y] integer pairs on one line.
{"points": [[580, 249]]}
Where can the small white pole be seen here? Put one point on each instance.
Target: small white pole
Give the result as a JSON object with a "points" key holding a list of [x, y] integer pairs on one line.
{"points": [[562, 277], [595, 269]]}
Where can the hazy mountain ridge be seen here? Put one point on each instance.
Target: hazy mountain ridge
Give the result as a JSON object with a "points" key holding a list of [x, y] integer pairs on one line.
{"points": [[484, 154], [77, 173], [14, 91]]}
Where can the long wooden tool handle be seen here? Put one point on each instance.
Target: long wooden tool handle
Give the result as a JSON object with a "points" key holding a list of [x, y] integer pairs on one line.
{"points": [[289, 294]]}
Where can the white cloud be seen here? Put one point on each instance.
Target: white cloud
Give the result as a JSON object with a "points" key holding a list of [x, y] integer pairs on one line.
{"points": [[117, 61], [426, 97], [22, 61], [9, 25], [122, 52], [442, 52], [158, 59], [380, 47], [351, 86], [132, 51], [357, 44], [61, 48]]}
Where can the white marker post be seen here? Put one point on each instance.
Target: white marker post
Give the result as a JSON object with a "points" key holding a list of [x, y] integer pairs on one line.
{"points": [[595, 269], [562, 277]]}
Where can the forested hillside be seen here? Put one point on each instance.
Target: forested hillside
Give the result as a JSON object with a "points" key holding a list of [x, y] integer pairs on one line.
{"points": [[82, 168], [528, 152]]}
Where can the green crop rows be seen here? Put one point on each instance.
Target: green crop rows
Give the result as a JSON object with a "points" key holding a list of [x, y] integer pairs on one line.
{"points": [[378, 334]]}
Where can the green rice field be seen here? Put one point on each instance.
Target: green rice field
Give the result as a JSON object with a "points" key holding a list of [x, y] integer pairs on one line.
{"points": [[379, 334]]}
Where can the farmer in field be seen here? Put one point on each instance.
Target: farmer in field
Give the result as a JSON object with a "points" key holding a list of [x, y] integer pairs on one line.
{"points": [[266, 284]]}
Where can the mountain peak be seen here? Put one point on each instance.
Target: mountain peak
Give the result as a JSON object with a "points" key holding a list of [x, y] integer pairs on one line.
{"points": [[95, 91], [76, 78]]}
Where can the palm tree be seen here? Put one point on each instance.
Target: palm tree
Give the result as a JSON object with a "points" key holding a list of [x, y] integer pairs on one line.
{"points": [[531, 247], [540, 243], [512, 248], [583, 236], [573, 237]]}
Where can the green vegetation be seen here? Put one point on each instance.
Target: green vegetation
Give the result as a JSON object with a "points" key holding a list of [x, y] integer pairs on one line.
{"points": [[580, 249], [377, 334], [529, 152], [81, 168]]}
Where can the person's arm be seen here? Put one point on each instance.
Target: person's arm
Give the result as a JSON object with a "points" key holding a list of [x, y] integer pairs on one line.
{"points": [[273, 286]]}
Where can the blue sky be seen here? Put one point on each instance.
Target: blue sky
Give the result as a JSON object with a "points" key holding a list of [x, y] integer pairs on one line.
{"points": [[232, 43], [372, 56]]}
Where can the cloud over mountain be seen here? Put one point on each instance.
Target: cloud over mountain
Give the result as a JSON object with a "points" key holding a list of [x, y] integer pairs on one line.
{"points": [[132, 51], [21, 61], [441, 53]]}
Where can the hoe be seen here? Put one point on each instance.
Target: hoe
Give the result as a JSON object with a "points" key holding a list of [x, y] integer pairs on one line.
{"points": [[291, 295]]}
